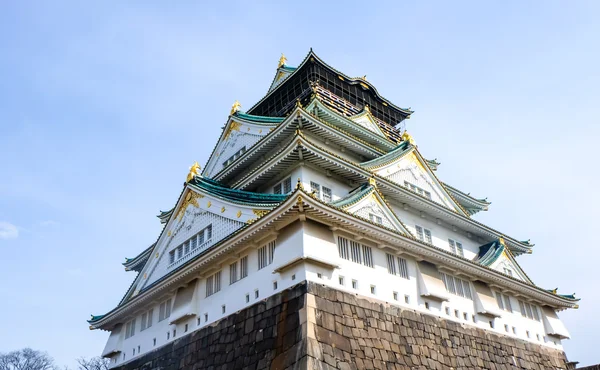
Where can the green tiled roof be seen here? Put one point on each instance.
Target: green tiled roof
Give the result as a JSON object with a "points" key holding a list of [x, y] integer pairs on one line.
{"points": [[354, 196], [263, 119], [395, 153], [220, 190], [489, 253]]}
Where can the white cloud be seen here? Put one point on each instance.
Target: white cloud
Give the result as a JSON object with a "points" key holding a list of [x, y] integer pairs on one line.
{"points": [[8, 230], [49, 223]]}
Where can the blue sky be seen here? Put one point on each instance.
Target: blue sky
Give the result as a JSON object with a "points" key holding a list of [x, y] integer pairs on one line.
{"points": [[103, 107]]}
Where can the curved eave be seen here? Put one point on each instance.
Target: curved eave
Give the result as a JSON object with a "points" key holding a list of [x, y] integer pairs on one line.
{"points": [[262, 203], [300, 201], [350, 80], [354, 197], [324, 113], [466, 199], [400, 151], [137, 263], [359, 174], [287, 129], [265, 120]]}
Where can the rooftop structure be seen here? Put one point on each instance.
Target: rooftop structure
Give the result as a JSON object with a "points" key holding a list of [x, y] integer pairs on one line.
{"points": [[317, 182]]}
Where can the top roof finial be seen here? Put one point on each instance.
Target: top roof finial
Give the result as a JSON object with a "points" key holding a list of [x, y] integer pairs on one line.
{"points": [[282, 61], [194, 171], [406, 137], [235, 108]]}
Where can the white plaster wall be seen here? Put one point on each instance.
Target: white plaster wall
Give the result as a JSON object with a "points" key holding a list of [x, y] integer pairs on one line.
{"points": [[194, 220], [385, 284], [314, 239], [235, 141], [339, 188], [440, 233], [289, 244]]}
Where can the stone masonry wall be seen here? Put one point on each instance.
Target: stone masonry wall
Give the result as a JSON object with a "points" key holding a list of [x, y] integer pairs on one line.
{"points": [[310, 326], [265, 335], [355, 333]]}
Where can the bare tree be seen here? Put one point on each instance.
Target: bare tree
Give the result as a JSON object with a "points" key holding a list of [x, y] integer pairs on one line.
{"points": [[94, 363], [26, 359]]}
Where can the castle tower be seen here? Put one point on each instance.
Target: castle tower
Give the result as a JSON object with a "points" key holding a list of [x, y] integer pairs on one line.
{"points": [[317, 235]]}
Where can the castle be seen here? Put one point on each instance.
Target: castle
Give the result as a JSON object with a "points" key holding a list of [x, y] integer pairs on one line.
{"points": [[314, 198]]}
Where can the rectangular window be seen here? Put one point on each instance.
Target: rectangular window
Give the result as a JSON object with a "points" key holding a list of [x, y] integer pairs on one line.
{"points": [[376, 219], [391, 264], [503, 302], [256, 294], [407, 299], [423, 234], [235, 156], [164, 310], [354, 284], [213, 284], [172, 256], [343, 248], [373, 289], [327, 194], [130, 329], [150, 314], [233, 275], [456, 247], [287, 185], [316, 189], [283, 187], [457, 286], [144, 319], [194, 242], [266, 254], [402, 268], [395, 296], [355, 252], [243, 267], [341, 280], [417, 189], [507, 303], [367, 256]]}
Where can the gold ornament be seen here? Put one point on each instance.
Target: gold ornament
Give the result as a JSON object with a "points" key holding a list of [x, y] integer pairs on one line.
{"points": [[282, 61], [406, 137], [194, 171], [235, 108], [191, 198]]}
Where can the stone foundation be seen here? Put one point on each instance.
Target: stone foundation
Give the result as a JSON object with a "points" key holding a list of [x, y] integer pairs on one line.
{"points": [[313, 327]]}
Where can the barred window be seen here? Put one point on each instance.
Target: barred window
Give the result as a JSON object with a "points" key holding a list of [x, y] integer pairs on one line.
{"points": [[130, 329], [403, 268], [233, 275], [213, 284], [235, 156], [417, 189], [327, 194], [357, 252], [456, 247], [147, 320], [368, 256], [376, 219], [423, 234], [391, 264], [266, 254], [164, 310], [315, 188], [529, 310], [243, 267], [283, 187], [191, 244], [457, 286], [343, 248], [503, 301]]}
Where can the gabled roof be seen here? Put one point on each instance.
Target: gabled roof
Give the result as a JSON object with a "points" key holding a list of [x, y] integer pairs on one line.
{"points": [[358, 197], [494, 251]]}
